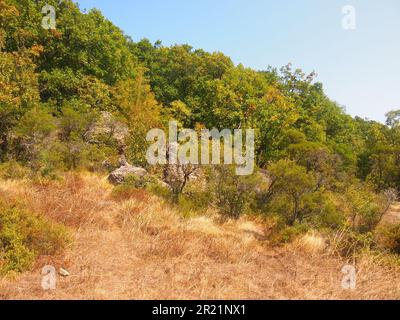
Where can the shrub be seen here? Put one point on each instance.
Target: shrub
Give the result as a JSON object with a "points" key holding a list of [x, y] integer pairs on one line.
{"points": [[321, 211], [127, 191], [13, 170], [160, 190], [193, 201], [33, 133], [347, 242], [137, 181], [25, 236], [388, 237], [140, 187], [286, 234], [230, 193], [364, 207], [178, 177], [290, 191]]}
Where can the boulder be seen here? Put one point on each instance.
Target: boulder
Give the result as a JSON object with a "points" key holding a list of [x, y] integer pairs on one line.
{"points": [[119, 175]]}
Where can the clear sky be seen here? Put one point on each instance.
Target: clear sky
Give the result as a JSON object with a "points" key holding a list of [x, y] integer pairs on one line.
{"points": [[360, 68]]}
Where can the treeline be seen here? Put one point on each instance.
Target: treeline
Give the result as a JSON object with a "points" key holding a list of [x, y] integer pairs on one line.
{"points": [[87, 65], [55, 85]]}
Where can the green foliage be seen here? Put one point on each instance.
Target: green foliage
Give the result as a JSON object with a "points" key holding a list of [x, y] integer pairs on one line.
{"points": [[290, 189], [286, 234], [76, 147], [297, 197], [325, 169], [388, 237], [32, 135], [347, 242], [195, 199], [160, 190], [379, 162], [24, 236], [139, 182], [75, 122], [231, 194], [364, 207], [136, 103], [135, 186], [321, 211], [18, 91], [12, 170], [89, 64], [393, 118]]}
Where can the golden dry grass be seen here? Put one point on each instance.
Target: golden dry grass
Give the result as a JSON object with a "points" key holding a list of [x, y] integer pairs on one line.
{"points": [[139, 248], [393, 216]]}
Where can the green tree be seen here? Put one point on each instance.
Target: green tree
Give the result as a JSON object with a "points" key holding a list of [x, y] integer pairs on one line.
{"points": [[33, 134], [290, 187], [231, 194]]}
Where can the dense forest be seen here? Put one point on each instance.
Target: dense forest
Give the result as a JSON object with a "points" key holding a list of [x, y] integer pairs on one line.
{"points": [[327, 169]]}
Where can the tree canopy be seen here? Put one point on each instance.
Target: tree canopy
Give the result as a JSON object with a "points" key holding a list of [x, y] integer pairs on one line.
{"points": [[87, 65]]}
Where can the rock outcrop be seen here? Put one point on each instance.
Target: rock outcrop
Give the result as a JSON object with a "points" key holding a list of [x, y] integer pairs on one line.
{"points": [[119, 175], [108, 126]]}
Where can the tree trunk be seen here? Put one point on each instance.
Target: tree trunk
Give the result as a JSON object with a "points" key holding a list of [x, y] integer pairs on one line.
{"points": [[295, 212]]}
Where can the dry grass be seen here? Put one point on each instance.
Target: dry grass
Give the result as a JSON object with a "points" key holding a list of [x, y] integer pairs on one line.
{"points": [[393, 216], [140, 248]]}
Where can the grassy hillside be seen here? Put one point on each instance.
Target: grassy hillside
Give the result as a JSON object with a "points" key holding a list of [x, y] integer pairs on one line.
{"points": [[139, 247], [82, 97]]}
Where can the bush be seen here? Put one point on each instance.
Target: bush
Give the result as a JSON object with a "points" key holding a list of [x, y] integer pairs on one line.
{"points": [[286, 234], [230, 193], [13, 170], [321, 211], [178, 177], [347, 242], [388, 237], [139, 188], [32, 135], [193, 201], [290, 192], [25, 236], [128, 191], [160, 190], [364, 207]]}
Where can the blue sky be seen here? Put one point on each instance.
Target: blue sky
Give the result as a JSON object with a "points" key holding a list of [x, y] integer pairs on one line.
{"points": [[360, 68]]}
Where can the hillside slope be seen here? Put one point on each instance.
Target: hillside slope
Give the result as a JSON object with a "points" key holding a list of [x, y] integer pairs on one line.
{"points": [[139, 248]]}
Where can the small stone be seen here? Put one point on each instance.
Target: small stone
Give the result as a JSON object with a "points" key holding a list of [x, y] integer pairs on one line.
{"points": [[64, 272]]}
